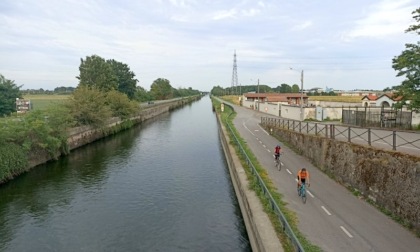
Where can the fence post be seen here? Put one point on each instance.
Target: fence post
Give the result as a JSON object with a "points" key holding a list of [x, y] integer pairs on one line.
{"points": [[307, 127], [293, 125], [369, 137], [394, 140], [326, 130], [316, 129], [300, 127], [288, 124], [332, 133], [349, 135]]}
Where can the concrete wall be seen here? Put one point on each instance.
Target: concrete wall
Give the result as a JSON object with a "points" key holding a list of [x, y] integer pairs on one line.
{"points": [[270, 108], [80, 136], [391, 179]]}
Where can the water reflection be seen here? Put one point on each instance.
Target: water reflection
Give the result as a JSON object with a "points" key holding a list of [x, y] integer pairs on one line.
{"points": [[162, 186]]}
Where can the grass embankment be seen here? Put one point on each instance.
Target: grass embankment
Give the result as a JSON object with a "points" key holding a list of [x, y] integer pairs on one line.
{"points": [[44, 101], [350, 99], [227, 117]]}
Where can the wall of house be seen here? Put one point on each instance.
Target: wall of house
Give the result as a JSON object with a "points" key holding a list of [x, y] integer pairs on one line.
{"points": [[248, 104], [382, 99], [270, 108]]}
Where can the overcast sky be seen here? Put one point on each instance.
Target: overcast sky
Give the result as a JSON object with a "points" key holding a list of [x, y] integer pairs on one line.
{"points": [[339, 44]]}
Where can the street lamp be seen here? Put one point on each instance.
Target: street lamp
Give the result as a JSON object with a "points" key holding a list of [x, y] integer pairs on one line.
{"points": [[301, 95]]}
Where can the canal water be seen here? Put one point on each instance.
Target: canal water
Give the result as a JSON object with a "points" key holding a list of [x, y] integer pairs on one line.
{"points": [[161, 186]]}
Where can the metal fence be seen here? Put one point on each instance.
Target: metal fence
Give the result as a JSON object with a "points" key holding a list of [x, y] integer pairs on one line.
{"points": [[354, 134], [285, 225], [377, 117]]}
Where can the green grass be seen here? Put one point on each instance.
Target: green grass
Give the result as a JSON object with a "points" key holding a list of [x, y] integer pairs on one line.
{"points": [[45, 101]]}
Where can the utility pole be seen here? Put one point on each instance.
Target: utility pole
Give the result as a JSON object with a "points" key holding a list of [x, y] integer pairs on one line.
{"points": [[258, 87], [301, 97], [258, 91]]}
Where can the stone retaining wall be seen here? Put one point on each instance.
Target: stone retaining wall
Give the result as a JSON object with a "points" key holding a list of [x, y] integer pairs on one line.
{"points": [[389, 178], [83, 135]]}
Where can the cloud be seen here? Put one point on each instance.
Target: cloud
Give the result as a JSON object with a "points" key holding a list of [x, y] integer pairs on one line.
{"points": [[225, 14], [302, 26], [386, 18], [250, 12]]}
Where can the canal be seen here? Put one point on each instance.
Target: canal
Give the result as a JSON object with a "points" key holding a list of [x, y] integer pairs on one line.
{"points": [[161, 186]]}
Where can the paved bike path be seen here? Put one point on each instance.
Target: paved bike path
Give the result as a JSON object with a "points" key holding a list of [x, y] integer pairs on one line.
{"points": [[332, 218]]}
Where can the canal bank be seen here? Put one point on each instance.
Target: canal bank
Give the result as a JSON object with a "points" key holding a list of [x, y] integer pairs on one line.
{"points": [[162, 185], [261, 233], [80, 136]]}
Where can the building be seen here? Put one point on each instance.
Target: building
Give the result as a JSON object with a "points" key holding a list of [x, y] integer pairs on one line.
{"points": [[283, 98], [385, 100]]}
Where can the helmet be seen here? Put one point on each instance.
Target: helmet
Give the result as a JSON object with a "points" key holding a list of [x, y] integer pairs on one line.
{"points": [[278, 145], [303, 169]]}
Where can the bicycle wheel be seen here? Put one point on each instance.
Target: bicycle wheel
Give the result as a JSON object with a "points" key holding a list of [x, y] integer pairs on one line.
{"points": [[303, 194]]}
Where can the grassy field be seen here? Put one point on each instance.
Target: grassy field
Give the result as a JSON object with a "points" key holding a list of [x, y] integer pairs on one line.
{"points": [[351, 99], [45, 101]]}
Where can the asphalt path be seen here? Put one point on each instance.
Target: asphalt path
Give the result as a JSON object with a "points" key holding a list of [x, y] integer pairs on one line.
{"points": [[332, 218]]}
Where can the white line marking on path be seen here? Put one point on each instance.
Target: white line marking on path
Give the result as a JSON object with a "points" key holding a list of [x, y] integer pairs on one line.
{"points": [[288, 171], [310, 194], [347, 232], [248, 129], [325, 210], [263, 129], [264, 146]]}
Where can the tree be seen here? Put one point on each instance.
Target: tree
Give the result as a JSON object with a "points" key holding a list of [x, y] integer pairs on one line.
{"points": [[88, 106], [9, 91], [95, 72], [295, 88], [161, 89], [125, 78], [408, 65], [284, 88], [121, 106], [217, 91], [142, 95]]}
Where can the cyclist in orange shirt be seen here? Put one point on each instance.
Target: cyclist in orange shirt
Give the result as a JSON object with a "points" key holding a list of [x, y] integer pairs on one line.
{"points": [[303, 177]]}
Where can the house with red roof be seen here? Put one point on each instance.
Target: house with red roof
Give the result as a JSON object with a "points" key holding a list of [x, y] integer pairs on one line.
{"points": [[385, 100], [272, 103]]}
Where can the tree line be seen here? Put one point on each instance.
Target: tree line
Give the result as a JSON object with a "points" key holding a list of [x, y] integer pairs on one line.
{"points": [[97, 73], [106, 89], [283, 88]]}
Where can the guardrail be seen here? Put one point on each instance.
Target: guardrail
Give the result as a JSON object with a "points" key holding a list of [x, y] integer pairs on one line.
{"points": [[285, 225], [391, 138]]}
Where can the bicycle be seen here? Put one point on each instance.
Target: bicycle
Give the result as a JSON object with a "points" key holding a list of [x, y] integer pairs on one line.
{"points": [[302, 192], [277, 162]]}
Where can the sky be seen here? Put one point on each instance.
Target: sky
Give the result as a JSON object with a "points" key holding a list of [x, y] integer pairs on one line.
{"points": [[344, 45]]}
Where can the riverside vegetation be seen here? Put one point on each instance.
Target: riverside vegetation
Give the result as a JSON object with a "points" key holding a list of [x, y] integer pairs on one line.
{"points": [[23, 137]]}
